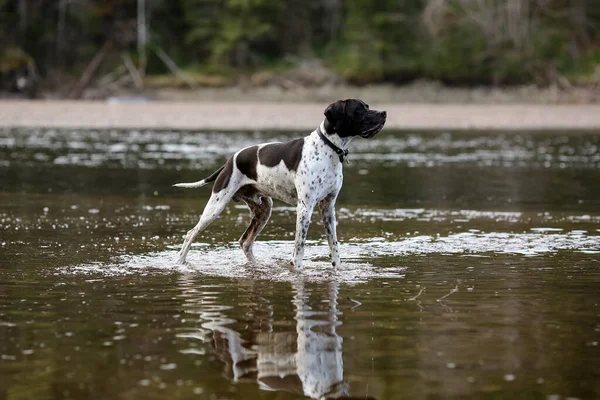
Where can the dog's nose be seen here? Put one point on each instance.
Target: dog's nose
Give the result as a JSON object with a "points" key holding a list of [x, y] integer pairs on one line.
{"points": [[384, 113]]}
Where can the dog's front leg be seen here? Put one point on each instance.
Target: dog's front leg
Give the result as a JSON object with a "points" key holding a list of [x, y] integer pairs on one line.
{"points": [[327, 206], [304, 212]]}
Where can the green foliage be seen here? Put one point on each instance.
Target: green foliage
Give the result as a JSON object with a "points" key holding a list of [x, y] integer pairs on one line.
{"points": [[579, 70], [380, 40], [245, 26], [457, 57], [201, 17], [362, 40], [231, 32]]}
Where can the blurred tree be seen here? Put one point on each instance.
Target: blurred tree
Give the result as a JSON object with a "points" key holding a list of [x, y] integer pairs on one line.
{"points": [[455, 41], [508, 41], [232, 32], [202, 20], [295, 28], [381, 40]]}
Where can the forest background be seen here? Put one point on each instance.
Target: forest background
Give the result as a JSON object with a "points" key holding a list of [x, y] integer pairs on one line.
{"points": [[69, 45]]}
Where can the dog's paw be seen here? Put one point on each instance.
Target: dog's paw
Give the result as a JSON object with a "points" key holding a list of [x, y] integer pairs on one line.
{"points": [[295, 267]]}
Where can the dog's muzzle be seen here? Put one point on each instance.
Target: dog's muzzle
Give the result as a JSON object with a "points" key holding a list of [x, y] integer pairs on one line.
{"points": [[377, 125]]}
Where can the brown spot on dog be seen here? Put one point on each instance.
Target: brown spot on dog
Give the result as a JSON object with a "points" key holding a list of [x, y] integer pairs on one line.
{"points": [[290, 152], [246, 162], [245, 192], [224, 177]]}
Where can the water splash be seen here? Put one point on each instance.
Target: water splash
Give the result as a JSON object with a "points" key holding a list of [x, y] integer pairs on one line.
{"points": [[359, 257]]}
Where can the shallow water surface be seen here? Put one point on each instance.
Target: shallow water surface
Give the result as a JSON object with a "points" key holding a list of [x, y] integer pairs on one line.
{"points": [[470, 269]]}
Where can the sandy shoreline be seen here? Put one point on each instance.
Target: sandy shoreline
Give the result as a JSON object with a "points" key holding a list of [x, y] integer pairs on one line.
{"points": [[290, 116]]}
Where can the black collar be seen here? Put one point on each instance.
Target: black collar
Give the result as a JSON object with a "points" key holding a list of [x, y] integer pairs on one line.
{"points": [[343, 154]]}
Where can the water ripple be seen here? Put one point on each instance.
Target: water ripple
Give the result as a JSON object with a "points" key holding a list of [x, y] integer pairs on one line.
{"points": [[151, 149]]}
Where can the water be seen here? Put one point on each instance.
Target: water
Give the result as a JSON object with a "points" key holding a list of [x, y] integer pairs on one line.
{"points": [[470, 269]]}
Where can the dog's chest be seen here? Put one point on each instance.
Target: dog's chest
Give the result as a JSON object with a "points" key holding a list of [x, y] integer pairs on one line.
{"points": [[320, 172]]}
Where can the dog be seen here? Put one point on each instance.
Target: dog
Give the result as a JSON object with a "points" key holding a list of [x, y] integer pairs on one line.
{"points": [[304, 172]]}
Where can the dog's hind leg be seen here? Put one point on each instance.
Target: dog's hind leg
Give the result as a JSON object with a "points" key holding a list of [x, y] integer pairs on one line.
{"points": [[215, 206], [260, 214], [225, 187]]}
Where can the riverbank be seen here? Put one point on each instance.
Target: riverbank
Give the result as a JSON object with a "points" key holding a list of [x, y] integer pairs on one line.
{"points": [[289, 116]]}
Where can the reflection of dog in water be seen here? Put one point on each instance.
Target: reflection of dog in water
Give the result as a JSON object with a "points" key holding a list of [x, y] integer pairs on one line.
{"points": [[307, 361]]}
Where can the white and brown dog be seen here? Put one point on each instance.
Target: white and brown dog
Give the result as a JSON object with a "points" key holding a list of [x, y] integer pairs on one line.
{"points": [[302, 172]]}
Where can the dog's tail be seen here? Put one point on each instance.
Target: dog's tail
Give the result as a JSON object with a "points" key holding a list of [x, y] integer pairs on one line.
{"points": [[203, 182]]}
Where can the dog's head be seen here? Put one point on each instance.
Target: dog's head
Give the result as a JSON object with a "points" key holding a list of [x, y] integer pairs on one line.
{"points": [[352, 117]]}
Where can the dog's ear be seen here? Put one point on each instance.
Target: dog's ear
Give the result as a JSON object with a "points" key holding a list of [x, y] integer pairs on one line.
{"points": [[335, 113]]}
